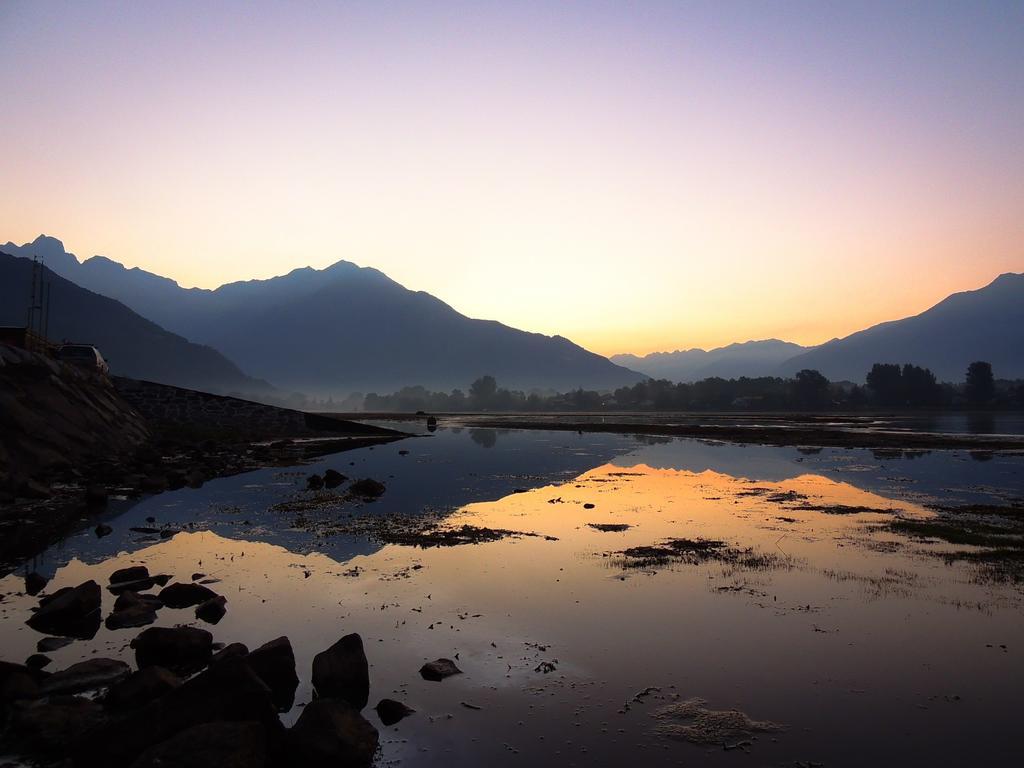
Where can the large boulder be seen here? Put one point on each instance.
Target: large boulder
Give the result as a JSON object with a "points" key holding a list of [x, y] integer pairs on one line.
{"points": [[331, 733], [35, 583], [182, 649], [86, 675], [142, 687], [17, 683], [274, 663], [227, 692], [136, 616], [71, 612], [333, 478], [181, 595], [221, 744], [53, 727], [342, 672]]}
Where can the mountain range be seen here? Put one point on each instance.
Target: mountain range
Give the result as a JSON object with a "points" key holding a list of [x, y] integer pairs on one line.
{"points": [[340, 329], [348, 328], [750, 358], [133, 345], [984, 324]]}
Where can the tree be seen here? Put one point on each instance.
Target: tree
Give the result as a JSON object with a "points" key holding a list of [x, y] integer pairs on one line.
{"points": [[810, 389], [886, 382], [981, 385], [919, 386], [482, 391]]}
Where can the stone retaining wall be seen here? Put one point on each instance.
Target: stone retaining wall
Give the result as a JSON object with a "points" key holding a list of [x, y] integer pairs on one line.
{"points": [[189, 408]]}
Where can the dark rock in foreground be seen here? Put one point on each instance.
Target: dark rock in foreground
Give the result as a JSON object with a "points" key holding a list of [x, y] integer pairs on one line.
{"points": [[48, 644], [223, 744], [53, 727], [274, 664], [390, 711], [182, 649], [35, 583], [17, 683], [141, 688], [132, 573], [314, 482], [227, 692], [86, 675], [138, 615], [211, 611], [71, 612], [438, 670], [180, 595], [331, 733], [342, 672]]}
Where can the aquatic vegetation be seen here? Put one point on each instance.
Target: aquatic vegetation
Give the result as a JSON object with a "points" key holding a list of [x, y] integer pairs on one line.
{"points": [[690, 720]]}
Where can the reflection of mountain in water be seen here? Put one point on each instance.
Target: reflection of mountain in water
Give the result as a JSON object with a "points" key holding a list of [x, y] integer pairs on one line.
{"points": [[955, 476], [444, 471]]}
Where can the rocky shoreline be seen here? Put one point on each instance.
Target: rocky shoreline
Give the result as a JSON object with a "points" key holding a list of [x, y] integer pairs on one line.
{"points": [[189, 700]]}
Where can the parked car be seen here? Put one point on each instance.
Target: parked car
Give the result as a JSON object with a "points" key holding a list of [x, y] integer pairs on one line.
{"points": [[84, 356]]}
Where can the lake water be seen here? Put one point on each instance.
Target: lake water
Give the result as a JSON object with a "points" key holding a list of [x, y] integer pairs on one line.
{"points": [[802, 636]]}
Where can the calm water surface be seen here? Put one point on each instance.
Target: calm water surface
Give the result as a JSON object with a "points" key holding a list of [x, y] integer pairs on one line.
{"points": [[849, 643]]}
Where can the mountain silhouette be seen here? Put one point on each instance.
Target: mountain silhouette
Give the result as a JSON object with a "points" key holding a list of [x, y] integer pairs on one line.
{"points": [[133, 346], [750, 358], [341, 329], [984, 324]]}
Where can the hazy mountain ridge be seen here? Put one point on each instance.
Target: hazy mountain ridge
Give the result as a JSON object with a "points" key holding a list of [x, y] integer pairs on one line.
{"points": [[983, 324], [134, 346], [749, 358], [342, 328]]}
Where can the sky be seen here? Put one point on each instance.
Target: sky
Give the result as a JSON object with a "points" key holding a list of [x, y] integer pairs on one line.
{"points": [[636, 176]]}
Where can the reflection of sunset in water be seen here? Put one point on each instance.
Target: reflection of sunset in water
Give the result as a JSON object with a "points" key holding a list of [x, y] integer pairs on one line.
{"points": [[810, 614]]}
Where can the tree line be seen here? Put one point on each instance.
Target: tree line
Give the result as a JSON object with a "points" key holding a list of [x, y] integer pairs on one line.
{"points": [[886, 386]]}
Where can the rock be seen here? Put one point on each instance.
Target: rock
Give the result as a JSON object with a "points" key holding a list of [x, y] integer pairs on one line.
{"points": [[141, 688], [367, 488], [136, 585], [85, 676], [176, 479], [50, 644], [438, 670], [73, 612], [222, 744], [195, 478], [211, 611], [331, 732], [37, 661], [135, 616], [198, 576], [132, 573], [35, 583], [588, 505], [333, 478], [102, 530], [390, 711], [96, 496], [129, 599], [162, 579], [181, 649], [229, 692], [16, 684], [342, 672], [54, 726], [232, 651], [274, 663], [181, 595], [314, 482]]}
